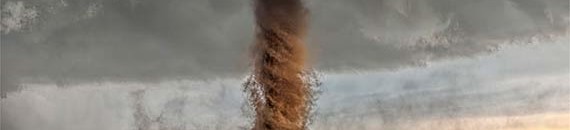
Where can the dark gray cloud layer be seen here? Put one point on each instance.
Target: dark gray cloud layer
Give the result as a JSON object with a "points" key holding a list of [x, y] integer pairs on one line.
{"points": [[73, 40]]}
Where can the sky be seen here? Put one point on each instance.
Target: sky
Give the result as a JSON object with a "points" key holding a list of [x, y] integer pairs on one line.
{"points": [[391, 64]]}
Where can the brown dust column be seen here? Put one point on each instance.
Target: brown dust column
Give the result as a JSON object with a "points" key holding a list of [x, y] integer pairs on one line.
{"points": [[279, 55]]}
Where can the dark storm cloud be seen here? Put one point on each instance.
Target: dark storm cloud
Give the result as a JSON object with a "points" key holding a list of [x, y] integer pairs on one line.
{"points": [[143, 39], [85, 40], [389, 33]]}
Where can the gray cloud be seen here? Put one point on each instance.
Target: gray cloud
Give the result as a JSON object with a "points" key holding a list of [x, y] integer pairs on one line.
{"points": [[517, 81], [16, 16], [389, 33], [86, 40]]}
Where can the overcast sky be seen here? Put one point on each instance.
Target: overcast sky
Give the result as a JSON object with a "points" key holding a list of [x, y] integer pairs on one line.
{"points": [[147, 39], [102, 61]]}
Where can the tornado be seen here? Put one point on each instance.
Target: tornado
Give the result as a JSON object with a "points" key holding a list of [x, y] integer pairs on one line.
{"points": [[278, 93]]}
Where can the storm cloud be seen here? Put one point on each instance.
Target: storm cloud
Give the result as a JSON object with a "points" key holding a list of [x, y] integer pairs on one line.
{"points": [[66, 41]]}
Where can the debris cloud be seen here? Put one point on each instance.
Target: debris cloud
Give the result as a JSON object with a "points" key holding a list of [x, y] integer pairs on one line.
{"points": [[281, 96]]}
